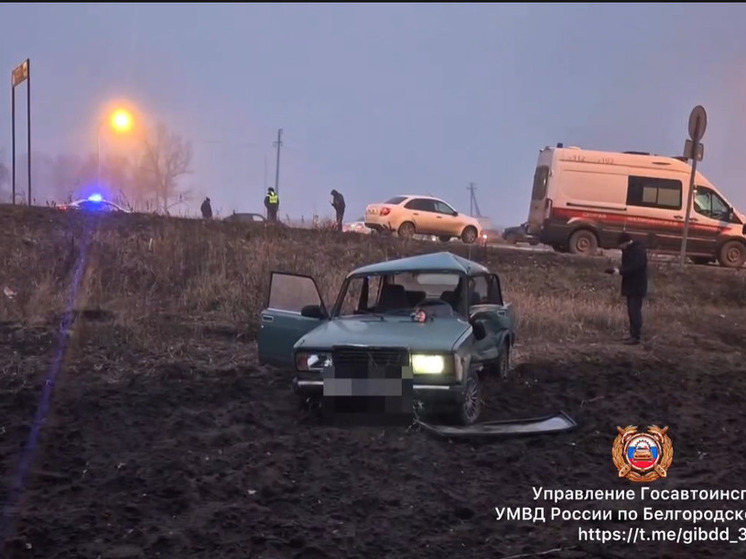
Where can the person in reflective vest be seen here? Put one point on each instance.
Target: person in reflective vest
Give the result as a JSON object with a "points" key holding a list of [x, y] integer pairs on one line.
{"points": [[271, 202]]}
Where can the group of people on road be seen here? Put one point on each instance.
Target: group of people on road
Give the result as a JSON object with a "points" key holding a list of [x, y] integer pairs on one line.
{"points": [[272, 204]]}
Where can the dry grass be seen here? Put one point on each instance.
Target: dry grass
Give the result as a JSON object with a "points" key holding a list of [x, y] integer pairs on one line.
{"points": [[148, 270]]}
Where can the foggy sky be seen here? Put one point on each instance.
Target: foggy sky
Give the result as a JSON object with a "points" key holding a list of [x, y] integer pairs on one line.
{"points": [[377, 100]]}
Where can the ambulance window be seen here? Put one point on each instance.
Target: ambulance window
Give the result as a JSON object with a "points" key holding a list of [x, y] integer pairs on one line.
{"points": [[541, 176], [651, 192], [708, 203]]}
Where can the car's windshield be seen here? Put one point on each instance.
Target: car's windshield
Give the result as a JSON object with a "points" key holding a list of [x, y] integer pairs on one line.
{"points": [[400, 294]]}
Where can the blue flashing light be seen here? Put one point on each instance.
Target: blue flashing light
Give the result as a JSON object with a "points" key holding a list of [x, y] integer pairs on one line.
{"points": [[95, 198]]}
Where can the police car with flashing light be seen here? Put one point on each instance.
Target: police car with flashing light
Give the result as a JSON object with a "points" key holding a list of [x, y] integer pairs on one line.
{"points": [[94, 203]]}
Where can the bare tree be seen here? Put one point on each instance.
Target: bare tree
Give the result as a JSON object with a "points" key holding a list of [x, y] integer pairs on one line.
{"points": [[167, 157]]}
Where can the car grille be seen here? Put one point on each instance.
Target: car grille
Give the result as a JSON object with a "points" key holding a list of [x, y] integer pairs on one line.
{"points": [[355, 362]]}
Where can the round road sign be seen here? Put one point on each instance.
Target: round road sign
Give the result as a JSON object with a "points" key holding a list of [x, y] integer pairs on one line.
{"points": [[697, 123]]}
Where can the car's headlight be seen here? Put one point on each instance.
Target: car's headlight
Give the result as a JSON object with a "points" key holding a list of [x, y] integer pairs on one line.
{"points": [[423, 364], [312, 361]]}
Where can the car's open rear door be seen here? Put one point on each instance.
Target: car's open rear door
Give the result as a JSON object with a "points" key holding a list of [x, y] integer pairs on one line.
{"points": [[281, 322]]}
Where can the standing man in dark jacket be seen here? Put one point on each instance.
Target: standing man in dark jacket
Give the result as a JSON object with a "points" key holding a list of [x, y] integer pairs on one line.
{"points": [[634, 272], [338, 202], [271, 202], [206, 209]]}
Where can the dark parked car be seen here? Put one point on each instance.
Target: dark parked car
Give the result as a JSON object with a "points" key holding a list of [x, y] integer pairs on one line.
{"points": [[519, 234], [245, 218], [249, 218]]}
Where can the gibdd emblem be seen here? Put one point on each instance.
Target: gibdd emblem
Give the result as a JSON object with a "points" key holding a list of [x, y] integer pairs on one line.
{"points": [[642, 457]]}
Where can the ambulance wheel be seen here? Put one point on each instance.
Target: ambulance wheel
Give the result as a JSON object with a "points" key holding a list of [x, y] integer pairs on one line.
{"points": [[732, 254], [583, 242]]}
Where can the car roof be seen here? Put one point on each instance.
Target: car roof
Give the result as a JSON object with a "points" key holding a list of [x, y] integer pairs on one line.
{"points": [[425, 196], [433, 262], [102, 201]]}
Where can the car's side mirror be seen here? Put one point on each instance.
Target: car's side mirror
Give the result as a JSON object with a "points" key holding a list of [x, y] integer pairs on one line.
{"points": [[479, 331], [455, 214], [743, 230], [312, 311]]}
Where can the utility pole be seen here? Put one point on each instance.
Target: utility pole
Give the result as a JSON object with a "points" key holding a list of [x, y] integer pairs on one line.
{"points": [[472, 198], [278, 145]]}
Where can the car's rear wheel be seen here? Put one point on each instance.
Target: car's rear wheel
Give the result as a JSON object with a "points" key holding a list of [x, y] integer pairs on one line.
{"points": [[469, 235], [583, 242], [511, 238], [406, 230]]}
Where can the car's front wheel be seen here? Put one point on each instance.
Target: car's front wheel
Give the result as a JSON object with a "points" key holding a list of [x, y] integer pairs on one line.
{"points": [[732, 254], [469, 235], [471, 403], [502, 367]]}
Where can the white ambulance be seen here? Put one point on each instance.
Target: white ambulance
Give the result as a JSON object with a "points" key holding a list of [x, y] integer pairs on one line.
{"points": [[581, 200]]}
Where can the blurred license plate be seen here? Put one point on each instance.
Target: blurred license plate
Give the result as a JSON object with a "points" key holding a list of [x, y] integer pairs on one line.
{"points": [[363, 387]]}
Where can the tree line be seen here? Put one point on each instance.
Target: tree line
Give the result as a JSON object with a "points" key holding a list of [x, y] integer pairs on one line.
{"points": [[150, 179]]}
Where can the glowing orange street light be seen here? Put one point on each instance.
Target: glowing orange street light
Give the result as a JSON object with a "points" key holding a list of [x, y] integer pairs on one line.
{"points": [[120, 121]]}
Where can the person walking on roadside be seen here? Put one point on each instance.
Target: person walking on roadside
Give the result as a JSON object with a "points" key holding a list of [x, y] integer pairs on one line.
{"points": [[271, 202], [634, 272], [206, 209], [338, 203]]}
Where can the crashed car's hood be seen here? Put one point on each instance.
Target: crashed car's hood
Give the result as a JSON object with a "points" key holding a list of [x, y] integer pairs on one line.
{"points": [[436, 335]]}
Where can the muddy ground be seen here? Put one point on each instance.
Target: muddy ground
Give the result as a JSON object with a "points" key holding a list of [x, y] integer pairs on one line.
{"points": [[190, 450]]}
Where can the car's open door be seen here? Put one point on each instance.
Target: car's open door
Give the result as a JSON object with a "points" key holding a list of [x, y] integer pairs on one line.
{"points": [[505, 311], [281, 322]]}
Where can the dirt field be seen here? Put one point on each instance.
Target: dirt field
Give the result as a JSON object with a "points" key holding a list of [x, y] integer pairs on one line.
{"points": [[159, 436]]}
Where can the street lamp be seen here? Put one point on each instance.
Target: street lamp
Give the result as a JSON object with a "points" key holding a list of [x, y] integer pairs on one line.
{"points": [[120, 121]]}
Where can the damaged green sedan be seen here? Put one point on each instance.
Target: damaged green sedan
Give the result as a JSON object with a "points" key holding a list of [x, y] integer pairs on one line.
{"points": [[435, 324]]}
